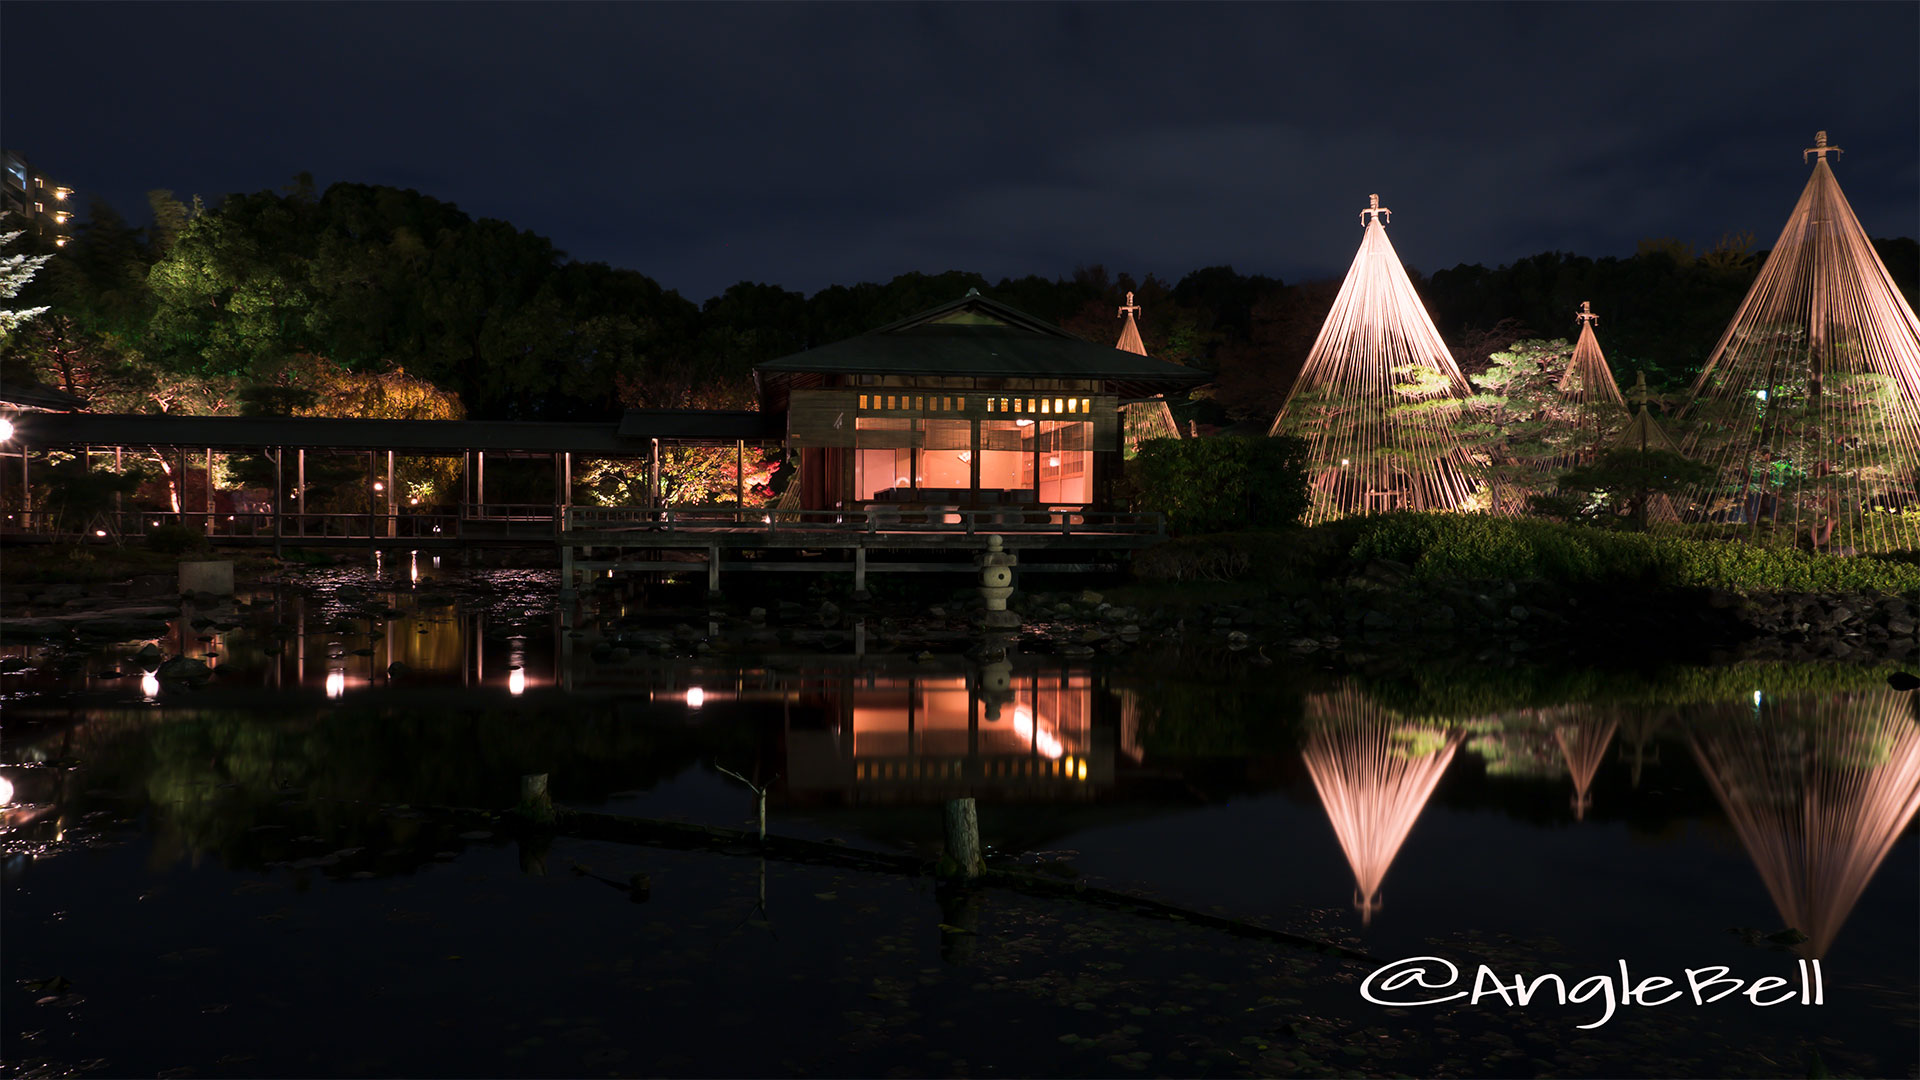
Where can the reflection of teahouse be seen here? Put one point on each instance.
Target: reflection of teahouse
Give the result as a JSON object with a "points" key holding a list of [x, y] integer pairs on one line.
{"points": [[1809, 405], [1818, 792], [1379, 396], [890, 738], [970, 404], [1375, 772], [1583, 742], [1143, 419]]}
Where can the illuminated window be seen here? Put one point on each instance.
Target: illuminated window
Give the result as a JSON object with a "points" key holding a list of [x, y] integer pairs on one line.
{"points": [[1059, 406], [863, 401], [919, 403], [989, 404], [961, 404], [1086, 405], [1072, 405], [1046, 406], [890, 403]]}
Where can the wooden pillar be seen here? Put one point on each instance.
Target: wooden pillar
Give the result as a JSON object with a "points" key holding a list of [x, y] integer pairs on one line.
{"points": [[460, 501], [300, 485], [740, 477], [277, 506], [559, 520], [119, 497], [480, 481], [209, 491], [26, 490], [566, 485], [653, 476], [860, 568], [713, 568], [393, 504], [372, 478]]}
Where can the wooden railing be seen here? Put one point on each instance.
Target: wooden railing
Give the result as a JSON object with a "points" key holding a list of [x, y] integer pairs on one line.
{"points": [[1057, 521]]}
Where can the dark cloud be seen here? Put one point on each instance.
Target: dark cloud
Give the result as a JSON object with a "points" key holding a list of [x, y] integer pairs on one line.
{"points": [[812, 144]]}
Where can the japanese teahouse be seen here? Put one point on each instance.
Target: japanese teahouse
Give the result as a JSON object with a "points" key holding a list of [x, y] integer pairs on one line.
{"points": [[968, 405]]}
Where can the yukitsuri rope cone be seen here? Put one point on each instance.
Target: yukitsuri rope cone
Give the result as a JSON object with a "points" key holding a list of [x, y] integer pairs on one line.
{"points": [[1818, 791], [1589, 387], [1144, 419], [1379, 396], [1374, 771], [1809, 407]]}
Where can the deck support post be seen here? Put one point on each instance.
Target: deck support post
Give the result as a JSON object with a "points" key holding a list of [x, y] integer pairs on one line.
{"points": [[713, 568], [300, 488], [209, 499], [962, 861], [740, 478], [860, 568]]}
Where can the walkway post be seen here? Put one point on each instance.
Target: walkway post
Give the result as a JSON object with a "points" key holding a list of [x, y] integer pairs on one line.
{"points": [[393, 501], [371, 510], [209, 492], [740, 478], [278, 506], [653, 477], [300, 490], [713, 568]]}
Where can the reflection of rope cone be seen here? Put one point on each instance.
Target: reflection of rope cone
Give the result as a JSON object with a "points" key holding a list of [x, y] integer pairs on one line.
{"points": [[1584, 743], [1374, 772], [1818, 791]]}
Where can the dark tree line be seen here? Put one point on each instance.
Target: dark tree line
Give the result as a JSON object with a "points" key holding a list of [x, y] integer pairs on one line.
{"points": [[206, 307]]}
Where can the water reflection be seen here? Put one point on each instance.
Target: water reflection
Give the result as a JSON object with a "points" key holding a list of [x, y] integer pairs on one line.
{"points": [[996, 733], [1374, 771], [1819, 788], [1583, 738]]}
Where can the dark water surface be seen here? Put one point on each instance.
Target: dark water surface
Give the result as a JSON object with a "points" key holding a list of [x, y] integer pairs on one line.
{"points": [[254, 876]]}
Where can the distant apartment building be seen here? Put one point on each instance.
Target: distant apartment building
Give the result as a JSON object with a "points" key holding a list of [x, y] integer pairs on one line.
{"points": [[34, 203]]}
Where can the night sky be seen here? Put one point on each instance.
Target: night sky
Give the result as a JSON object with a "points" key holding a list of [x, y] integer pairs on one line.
{"points": [[807, 145]]}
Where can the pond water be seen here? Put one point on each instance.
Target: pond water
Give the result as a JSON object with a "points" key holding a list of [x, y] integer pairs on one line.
{"points": [[257, 874]]}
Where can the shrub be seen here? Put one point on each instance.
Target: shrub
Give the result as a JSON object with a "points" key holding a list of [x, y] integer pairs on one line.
{"points": [[1216, 484], [175, 539]]}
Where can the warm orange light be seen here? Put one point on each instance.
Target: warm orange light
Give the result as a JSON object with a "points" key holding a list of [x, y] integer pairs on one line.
{"points": [[696, 697], [517, 681]]}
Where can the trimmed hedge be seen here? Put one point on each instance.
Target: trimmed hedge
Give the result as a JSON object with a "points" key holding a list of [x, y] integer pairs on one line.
{"points": [[1221, 483], [1470, 547]]}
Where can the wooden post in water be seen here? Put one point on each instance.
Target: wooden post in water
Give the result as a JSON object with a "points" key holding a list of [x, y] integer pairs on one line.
{"points": [[535, 803], [962, 861]]}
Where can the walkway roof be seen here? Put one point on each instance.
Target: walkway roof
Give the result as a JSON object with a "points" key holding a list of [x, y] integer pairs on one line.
{"points": [[631, 435]]}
